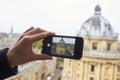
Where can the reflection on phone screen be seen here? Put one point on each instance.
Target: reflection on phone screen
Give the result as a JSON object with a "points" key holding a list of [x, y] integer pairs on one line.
{"points": [[63, 46]]}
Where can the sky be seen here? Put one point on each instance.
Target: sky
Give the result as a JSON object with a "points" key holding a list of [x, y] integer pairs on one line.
{"points": [[67, 40], [61, 16]]}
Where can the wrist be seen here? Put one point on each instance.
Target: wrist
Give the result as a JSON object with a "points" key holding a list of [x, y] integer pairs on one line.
{"points": [[5, 69], [10, 59]]}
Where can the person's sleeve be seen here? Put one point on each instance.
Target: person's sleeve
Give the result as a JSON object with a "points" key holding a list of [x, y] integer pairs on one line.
{"points": [[5, 70]]}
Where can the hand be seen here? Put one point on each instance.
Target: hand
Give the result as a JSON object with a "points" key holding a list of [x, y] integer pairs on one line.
{"points": [[22, 52]]}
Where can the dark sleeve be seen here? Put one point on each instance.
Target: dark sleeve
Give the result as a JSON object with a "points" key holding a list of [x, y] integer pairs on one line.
{"points": [[5, 69]]}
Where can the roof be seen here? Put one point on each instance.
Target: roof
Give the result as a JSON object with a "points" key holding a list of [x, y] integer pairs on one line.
{"points": [[97, 25]]}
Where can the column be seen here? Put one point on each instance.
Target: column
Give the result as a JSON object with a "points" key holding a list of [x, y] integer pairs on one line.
{"points": [[113, 71], [102, 71], [83, 71], [86, 71], [99, 73]]}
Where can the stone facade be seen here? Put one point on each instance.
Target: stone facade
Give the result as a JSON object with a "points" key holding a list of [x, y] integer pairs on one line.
{"points": [[91, 69]]}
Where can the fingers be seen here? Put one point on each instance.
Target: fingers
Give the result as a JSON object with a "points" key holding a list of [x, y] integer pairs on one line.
{"points": [[29, 29], [34, 34], [40, 36], [34, 31]]}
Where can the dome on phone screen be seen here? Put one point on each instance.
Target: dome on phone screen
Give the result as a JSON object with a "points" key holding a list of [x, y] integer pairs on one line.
{"points": [[97, 25], [62, 41]]}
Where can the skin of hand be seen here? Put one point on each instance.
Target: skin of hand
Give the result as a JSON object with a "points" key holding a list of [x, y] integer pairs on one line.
{"points": [[21, 52]]}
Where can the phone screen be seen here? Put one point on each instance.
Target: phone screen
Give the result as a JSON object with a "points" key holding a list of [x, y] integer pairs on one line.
{"points": [[63, 46]]}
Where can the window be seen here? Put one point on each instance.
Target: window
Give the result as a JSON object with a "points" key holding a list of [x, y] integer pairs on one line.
{"points": [[94, 46], [108, 46], [91, 78], [70, 62], [78, 75], [118, 78], [118, 68], [92, 68], [78, 64]]}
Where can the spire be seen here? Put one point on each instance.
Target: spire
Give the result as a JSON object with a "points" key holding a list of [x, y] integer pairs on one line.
{"points": [[11, 32]]}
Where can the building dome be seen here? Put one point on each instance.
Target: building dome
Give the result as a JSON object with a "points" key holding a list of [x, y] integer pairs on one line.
{"points": [[62, 41], [97, 25]]}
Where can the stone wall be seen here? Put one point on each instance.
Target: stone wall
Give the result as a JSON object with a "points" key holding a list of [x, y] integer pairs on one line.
{"points": [[38, 70]]}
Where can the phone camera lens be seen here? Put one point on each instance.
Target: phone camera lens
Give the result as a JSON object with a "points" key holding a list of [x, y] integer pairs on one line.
{"points": [[48, 45]]}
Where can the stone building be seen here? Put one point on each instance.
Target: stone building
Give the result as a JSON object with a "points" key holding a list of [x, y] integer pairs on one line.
{"points": [[101, 54], [8, 39]]}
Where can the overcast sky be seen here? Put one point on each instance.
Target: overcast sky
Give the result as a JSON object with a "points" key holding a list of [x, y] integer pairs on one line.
{"points": [[61, 16]]}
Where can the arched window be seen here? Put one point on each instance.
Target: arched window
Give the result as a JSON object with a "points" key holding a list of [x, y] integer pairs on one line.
{"points": [[92, 68], [91, 78], [118, 69], [94, 46], [108, 47]]}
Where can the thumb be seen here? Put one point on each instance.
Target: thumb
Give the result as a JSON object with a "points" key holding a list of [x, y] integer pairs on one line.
{"points": [[41, 57]]}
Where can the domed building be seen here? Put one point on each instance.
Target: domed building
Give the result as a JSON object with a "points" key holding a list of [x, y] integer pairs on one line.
{"points": [[61, 47], [101, 56]]}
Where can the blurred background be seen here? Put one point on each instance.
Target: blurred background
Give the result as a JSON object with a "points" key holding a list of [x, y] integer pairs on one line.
{"points": [[97, 21]]}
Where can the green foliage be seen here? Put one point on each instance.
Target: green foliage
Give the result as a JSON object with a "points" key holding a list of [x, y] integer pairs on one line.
{"points": [[37, 44], [60, 59]]}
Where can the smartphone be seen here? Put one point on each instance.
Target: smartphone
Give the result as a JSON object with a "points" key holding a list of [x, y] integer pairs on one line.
{"points": [[63, 46]]}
